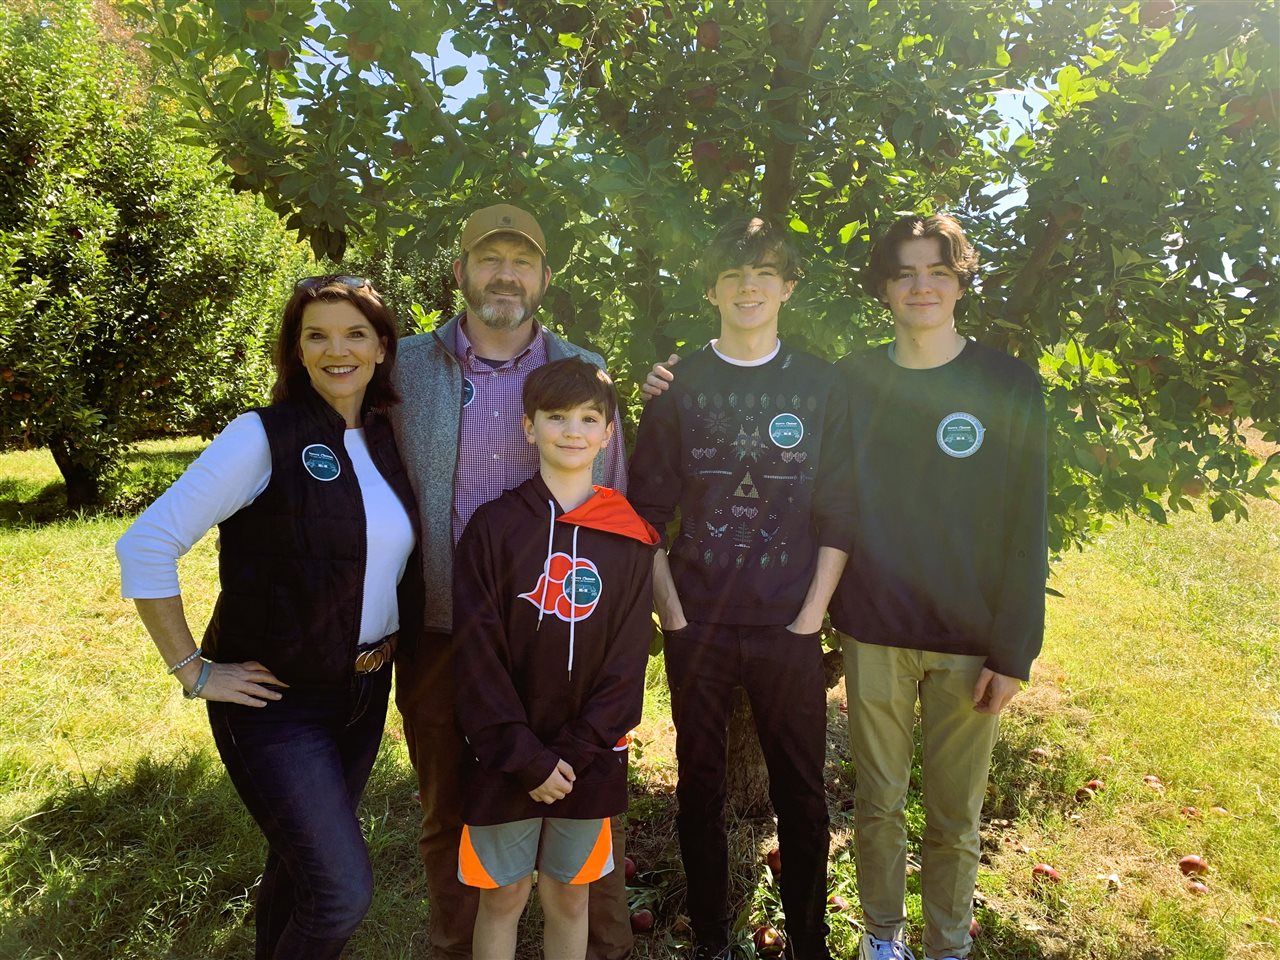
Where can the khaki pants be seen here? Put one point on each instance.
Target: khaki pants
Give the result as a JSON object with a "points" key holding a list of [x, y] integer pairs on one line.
{"points": [[424, 696], [883, 685]]}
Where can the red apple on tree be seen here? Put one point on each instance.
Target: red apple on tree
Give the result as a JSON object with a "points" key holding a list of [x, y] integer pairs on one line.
{"points": [[706, 153], [278, 59], [259, 12], [1155, 14], [703, 97], [708, 35]]}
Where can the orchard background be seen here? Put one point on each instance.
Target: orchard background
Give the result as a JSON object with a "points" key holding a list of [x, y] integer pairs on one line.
{"points": [[168, 167]]}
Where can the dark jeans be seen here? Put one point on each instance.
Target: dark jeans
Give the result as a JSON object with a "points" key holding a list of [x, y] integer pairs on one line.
{"points": [[300, 765], [783, 677]]}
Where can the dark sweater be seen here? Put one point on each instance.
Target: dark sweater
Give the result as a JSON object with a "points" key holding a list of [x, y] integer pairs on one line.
{"points": [[750, 456], [949, 475], [540, 678]]}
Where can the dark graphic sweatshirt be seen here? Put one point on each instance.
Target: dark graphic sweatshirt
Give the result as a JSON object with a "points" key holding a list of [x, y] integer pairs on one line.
{"points": [[753, 458], [551, 629]]}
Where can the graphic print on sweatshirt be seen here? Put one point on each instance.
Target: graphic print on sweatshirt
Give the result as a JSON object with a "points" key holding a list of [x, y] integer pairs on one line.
{"points": [[568, 590], [756, 441]]}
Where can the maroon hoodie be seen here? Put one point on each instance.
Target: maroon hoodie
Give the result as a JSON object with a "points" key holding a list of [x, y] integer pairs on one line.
{"points": [[552, 618]]}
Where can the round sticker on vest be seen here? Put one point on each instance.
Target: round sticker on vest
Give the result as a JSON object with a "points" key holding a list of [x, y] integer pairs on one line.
{"points": [[468, 392], [321, 462], [960, 434], [786, 430]]}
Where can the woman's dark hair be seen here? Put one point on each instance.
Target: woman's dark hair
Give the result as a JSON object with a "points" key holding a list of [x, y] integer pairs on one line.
{"points": [[957, 253], [291, 375], [750, 241], [564, 384]]}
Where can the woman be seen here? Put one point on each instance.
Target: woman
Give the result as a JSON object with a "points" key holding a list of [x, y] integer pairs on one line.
{"points": [[316, 524]]}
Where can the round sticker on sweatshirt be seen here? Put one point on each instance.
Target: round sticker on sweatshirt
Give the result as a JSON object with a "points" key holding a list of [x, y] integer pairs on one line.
{"points": [[468, 392], [786, 430], [960, 434], [321, 462], [567, 588]]}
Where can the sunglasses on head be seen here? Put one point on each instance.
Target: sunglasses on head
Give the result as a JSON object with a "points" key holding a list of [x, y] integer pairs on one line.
{"points": [[316, 284]]}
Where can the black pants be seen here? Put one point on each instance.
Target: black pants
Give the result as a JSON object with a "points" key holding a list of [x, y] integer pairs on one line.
{"points": [[783, 677]]}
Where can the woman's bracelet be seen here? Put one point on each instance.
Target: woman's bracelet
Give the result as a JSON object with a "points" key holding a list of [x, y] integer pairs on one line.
{"points": [[189, 658], [205, 669]]}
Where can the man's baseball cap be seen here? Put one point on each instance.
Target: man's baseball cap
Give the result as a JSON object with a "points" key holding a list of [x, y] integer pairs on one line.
{"points": [[502, 218]]}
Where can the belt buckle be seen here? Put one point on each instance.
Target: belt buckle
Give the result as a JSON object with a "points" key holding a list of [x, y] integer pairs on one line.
{"points": [[374, 659]]}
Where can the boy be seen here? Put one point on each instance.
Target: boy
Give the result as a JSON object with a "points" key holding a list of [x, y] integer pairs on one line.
{"points": [[552, 599], [943, 598], [742, 446]]}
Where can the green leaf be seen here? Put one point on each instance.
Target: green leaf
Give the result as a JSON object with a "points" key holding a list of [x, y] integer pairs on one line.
{"points": [[1067, 80], [570, 40], [452, 76]]}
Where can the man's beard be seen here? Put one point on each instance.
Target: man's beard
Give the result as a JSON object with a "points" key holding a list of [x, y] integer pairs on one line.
{"points": [[507, 316]]}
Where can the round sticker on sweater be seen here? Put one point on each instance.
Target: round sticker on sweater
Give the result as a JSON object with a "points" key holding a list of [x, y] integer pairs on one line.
{"points": [[468, 392], [321, 462], [960, 434], [786, 430]]}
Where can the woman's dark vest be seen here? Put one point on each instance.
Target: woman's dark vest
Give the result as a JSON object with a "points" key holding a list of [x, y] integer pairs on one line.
{"points": [[292, 562]]}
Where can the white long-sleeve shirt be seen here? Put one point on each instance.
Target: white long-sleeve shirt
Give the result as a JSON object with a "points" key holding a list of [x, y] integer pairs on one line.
{"points": [[228, 476]]}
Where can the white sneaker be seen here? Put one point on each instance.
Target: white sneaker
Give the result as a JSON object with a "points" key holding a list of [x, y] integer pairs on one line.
{"points": [[872, 948]]}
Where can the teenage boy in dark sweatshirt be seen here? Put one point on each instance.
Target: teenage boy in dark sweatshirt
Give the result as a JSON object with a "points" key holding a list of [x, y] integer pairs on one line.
{"points": [[942, 602], [742, 447], [552, 599]]}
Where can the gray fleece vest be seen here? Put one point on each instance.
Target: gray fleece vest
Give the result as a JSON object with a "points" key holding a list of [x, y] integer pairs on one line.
{"points": [[428, 426]]}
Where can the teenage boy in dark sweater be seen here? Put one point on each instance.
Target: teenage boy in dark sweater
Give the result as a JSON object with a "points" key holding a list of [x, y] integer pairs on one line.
{"points": [[742, 447], [553, 599], [942, 601]]}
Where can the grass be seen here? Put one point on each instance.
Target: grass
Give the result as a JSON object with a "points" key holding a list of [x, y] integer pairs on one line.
{"points": [[120, 836]]}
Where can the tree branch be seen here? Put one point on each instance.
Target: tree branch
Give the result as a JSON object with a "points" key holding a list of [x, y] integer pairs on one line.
{"points": [[793, 50]]}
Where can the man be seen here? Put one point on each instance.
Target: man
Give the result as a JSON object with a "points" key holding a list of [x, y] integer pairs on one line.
{"points": [[461, 436], [745, 446], [943, 597], [942, 600]]}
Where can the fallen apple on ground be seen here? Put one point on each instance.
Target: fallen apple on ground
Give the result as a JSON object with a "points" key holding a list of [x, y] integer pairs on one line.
{"points": [[628, 868], [774, 859], [1045, 873], [769, 941], [642, 921], [1193, 865], [837, 903]]}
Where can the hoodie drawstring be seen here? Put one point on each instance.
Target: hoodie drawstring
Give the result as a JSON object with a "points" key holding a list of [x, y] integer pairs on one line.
{"points": [[546, 564], [573, 579], [573, 595]]}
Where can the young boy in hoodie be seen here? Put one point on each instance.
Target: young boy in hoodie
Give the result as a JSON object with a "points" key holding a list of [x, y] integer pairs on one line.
{"points": [[552, 600]]}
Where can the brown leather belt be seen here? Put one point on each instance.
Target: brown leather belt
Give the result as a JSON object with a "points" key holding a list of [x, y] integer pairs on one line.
{"points": [[375, 658]]}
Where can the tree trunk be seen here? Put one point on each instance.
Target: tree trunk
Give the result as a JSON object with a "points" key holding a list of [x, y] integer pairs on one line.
{"points": [[84, 484]]}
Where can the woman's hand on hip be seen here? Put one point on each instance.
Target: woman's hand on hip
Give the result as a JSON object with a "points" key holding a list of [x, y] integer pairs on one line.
{"points": [[235, 683]]}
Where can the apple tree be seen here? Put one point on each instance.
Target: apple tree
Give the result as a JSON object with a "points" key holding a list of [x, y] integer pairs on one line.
{"points": [[1126, 211], [136, 290]]}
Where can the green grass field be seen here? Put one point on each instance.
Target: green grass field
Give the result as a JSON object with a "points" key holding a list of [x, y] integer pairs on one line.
{"points": [[120, 837]]}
